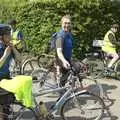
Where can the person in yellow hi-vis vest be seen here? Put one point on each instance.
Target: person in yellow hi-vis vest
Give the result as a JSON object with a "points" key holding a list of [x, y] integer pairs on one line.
{"points": [[110, 44], [16, 35], [17, 41]]}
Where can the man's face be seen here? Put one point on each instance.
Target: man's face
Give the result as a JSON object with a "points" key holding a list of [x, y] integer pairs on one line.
{"points": [[66, 24]]}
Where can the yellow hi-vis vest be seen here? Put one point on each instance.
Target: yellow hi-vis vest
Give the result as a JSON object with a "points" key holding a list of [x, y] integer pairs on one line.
{"points": [[21, 86], [17, 43], [108, 47]]}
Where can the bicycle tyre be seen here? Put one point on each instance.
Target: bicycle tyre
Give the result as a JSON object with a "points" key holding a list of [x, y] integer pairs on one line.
{"points": [[87, 112], [28, 66]]}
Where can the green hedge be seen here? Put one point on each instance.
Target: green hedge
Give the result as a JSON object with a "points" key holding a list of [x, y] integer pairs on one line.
{"points": [[38, 20]]}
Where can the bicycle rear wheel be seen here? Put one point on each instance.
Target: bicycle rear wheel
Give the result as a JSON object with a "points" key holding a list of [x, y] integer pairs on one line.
{"points": [[83, 106]]}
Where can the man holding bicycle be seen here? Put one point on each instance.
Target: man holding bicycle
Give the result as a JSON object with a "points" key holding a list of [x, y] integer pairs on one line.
{"points": [[64, 48], [110, 44]]}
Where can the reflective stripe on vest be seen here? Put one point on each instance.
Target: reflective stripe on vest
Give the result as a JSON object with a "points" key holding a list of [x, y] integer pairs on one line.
{"points": [[15, 39], [14, 35]]}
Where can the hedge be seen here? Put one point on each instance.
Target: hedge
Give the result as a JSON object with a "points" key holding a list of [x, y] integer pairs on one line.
{"points": [[39, 19]]}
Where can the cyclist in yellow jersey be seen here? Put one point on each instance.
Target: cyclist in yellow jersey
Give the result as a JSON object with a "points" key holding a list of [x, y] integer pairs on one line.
{"points": [[110, 44]]}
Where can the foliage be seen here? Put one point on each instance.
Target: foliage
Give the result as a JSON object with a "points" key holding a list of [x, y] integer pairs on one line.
{"points": [[38, 19]]}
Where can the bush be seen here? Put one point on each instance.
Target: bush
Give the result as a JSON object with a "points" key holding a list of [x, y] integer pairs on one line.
{"points": [[38, 20]]}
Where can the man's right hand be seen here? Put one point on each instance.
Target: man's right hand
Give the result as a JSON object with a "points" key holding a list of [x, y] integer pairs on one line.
{"points": [[66, 65]]}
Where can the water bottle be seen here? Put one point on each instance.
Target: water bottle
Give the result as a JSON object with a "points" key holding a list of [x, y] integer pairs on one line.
{"points": [[43, 109]]}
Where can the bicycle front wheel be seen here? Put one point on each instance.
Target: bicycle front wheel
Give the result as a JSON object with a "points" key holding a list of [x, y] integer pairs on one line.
{"points": [[29, 66], [83, 106]]}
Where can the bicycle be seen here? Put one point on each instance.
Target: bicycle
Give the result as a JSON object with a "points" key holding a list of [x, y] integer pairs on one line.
{"points": [[37, 62], [84, 104], [97, 62], [44, 75], [47, 80]]}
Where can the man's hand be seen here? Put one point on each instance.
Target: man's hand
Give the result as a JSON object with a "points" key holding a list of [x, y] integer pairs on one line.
{"points": [[66, 65]]}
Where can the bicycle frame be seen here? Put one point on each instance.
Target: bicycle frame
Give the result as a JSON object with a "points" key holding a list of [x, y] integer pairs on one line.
{"points": [[69, 93]]}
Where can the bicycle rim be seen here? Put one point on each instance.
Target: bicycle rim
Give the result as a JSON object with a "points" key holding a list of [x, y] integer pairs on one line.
{"points": [[83, 107], [29, 66]]}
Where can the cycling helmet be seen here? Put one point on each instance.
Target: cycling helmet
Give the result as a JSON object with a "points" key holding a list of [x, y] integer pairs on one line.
{"points": [[4, 29], [12, 22]]}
